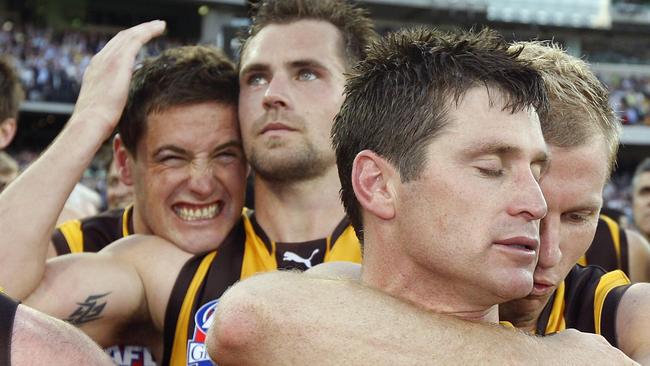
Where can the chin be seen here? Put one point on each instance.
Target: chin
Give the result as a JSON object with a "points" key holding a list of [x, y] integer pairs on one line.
{"points": [[517, 286]]}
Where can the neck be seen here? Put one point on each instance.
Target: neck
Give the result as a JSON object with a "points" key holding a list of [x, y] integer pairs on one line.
{"points": [[402, 278], [299, 211], [139, 227]]}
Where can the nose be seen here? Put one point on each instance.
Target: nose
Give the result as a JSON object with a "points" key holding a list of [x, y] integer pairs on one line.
{"points": [[202, 180], [528, 200], [277, 93], [549, 249]]}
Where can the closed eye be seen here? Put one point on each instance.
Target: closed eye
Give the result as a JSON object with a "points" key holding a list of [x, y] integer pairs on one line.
{"points": [[491, 172]]}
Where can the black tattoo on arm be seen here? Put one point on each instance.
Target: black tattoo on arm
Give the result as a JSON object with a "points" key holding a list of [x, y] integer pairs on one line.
{"points": [[88, 310]]}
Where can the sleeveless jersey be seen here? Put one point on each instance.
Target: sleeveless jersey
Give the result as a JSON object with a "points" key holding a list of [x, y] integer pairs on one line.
{"points": [[246, 251], [587, 300], [609, 248], [7, 314], [91, 234]]}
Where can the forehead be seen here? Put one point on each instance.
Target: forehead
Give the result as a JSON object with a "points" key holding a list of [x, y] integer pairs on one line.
{"points": [[480, 120], [576, 175], [277, 44], [192, 126]]}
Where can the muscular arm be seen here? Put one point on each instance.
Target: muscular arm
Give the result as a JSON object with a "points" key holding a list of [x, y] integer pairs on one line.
{"points": [[639, 256], [98, 293], [30, 206], [298, 319], [633, 323], [38, 339]]}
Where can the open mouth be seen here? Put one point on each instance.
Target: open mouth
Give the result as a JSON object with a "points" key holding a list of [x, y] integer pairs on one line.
{"points": [[197, 212]]}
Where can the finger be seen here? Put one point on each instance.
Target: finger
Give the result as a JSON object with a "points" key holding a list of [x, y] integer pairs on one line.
{"points": [[129, 41]]}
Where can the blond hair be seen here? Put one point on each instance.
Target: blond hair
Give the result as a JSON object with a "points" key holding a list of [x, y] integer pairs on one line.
{"points": [[579, 103]]}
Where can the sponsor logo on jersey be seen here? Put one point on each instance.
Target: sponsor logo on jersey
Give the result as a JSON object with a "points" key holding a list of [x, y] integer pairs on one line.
{"points": [[131, 356], [197, 354], [293, 257]]}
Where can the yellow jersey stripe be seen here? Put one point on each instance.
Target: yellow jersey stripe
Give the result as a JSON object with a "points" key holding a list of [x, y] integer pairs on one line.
{"points": [[125, 220], [607, 283], [73, 235], [556, 321]]}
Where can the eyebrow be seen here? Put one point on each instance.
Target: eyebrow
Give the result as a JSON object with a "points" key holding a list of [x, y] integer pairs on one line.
{"points": [[179, 150], [293, 64]]}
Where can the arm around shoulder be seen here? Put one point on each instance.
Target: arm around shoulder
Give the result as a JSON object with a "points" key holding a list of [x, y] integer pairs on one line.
{"points": [[291, 318]]}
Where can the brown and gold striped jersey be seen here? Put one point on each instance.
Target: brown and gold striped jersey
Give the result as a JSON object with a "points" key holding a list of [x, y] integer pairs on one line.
{"points": [[91, 234]]}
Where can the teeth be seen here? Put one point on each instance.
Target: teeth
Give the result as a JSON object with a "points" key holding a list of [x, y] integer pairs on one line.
{"points": [[205, 213]]}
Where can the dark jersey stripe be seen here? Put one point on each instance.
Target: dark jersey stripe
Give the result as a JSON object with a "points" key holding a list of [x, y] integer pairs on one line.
{"points": [[98, 231], [602, 251], [580, 301], [60, 243], [7, 314], [608, 323], [224, 271]]}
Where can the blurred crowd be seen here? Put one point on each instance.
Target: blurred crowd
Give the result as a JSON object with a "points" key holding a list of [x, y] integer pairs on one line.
{"points": [[51, 62], [630, 96]]}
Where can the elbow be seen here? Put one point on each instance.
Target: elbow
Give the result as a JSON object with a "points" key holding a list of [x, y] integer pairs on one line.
{"points": [[235, 330]]}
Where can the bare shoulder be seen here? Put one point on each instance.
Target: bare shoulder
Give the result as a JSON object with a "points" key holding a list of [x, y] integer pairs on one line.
{"points": [[39, 339], [338, 270]]}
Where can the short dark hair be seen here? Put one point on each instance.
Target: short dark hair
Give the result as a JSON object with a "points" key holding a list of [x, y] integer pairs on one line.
{"points": [[11, 92], [178, 76], [353, 22], [397, 99]]}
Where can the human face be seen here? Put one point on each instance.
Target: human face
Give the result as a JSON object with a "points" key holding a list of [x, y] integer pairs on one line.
{"points": [[471, 220], [118, 194], [641, 201], [189, 175], [573, 189], [291, 87]]}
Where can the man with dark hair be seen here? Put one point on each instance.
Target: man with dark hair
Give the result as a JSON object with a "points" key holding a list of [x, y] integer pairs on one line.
{"points": [[406, 132], [185, 161], [202, 279], [164, 209], [291, 87], [12, 94], [641, 197], [380, 330]]}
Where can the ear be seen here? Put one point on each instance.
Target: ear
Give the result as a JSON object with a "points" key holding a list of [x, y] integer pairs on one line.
{"points": [[122, 160], [7, 132], [372, 181]]}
